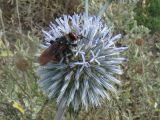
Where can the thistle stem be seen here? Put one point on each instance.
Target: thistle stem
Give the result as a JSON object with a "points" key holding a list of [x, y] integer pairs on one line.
{"points": [[103, 8], [60, 112], [86, 7]]}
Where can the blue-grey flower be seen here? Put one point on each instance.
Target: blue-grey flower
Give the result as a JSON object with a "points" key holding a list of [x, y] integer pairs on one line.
{"points": [[88, 77]]}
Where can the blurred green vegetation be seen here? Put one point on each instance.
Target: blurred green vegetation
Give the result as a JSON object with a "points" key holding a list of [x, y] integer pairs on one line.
{"points": [[148, 14], [21, 22]]}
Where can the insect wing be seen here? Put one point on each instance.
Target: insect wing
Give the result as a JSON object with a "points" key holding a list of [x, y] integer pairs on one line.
{"points": [[47, 55]]}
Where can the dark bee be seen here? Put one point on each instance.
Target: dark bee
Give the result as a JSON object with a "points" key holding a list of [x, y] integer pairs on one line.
{"points": [[59, 49]]}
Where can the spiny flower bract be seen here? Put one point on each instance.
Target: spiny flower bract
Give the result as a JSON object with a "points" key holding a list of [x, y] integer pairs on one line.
{"points": [[88, 78]]}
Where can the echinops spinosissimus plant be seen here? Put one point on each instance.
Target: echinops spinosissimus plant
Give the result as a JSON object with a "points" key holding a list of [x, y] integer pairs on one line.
{"points": [[87, 78]]}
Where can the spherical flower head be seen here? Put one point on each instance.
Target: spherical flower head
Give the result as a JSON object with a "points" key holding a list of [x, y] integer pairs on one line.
{"points": [[88, 77]]}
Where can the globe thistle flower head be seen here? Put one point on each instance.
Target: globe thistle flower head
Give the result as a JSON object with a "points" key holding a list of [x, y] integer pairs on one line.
{"points": [[87, 79]]}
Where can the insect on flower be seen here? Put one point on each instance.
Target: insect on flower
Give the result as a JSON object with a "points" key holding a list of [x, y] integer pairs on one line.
{"points": [[60, 49], [92, 59]]}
